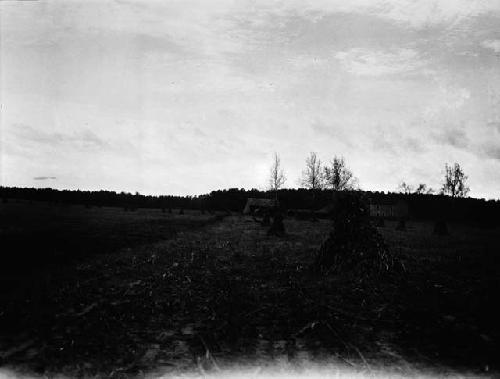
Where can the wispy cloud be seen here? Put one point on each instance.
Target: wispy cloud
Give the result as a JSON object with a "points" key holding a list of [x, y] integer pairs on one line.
{"points": [[491, 150], [454, 137], [492, 44], [415, 14], [431, 13], [369, 62], [333, 131], [84, 139]]}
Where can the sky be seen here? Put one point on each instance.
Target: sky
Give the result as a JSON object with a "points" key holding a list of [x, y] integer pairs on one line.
{"points": [[185, 97]]}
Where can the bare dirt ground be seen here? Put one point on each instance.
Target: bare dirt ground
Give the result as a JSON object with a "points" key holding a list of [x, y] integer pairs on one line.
{"points": [[226, 293]]}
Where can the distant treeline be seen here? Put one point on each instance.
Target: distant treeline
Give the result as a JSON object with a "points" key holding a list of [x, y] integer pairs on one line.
{"points": [[421, 206], [100, 198], [442, 207]]}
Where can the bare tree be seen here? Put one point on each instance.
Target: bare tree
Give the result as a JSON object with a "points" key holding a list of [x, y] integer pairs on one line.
{"points": [[311, 176], [455, 181], [422, 189], [338, 176], [405, 188], [277, 176]]}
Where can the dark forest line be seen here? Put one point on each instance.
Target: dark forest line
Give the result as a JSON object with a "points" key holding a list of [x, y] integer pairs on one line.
{"points": [[421, 206]]}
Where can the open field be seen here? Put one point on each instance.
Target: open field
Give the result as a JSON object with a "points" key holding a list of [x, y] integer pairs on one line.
{"points": [[40, 233], [168, 293]]}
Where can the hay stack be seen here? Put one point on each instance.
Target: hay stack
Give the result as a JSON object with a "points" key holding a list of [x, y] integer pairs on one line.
{"points": [[354, 245]]}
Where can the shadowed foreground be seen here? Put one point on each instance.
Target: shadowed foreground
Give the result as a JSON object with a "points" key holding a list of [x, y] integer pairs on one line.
{"points": [[227, 294]]}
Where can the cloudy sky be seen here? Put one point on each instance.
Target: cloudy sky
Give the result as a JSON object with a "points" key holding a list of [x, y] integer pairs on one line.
{"points": [[184, 97]]}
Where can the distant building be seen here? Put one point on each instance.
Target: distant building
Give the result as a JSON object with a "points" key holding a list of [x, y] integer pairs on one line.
{"points": [[389, 209], [254, 205]]}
